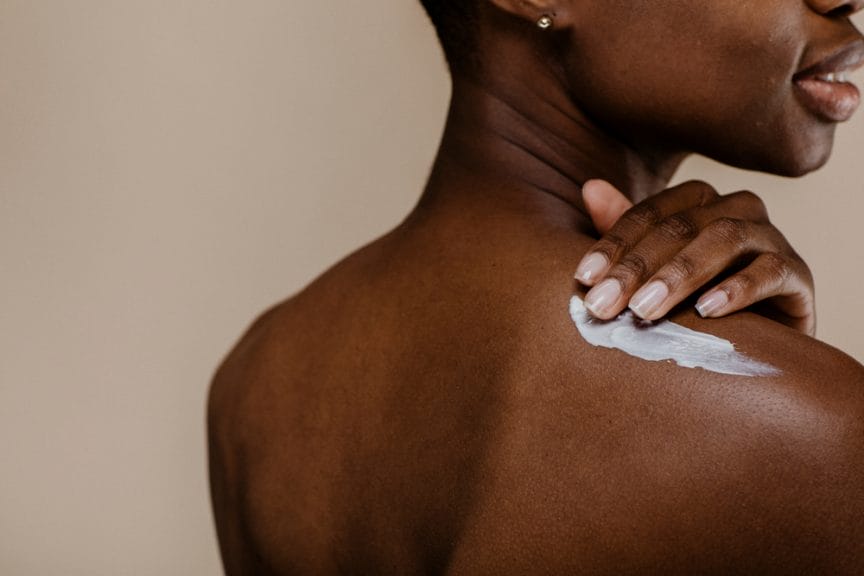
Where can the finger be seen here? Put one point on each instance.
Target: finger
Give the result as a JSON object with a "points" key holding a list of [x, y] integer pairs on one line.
{"points": [[772, 275], [605, 204], [722, 244], [626, 233], [611, 296], [690, 248]]}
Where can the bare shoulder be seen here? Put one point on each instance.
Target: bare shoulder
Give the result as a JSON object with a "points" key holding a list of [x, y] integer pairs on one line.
{"points": [[548, 452], [281, 342], [261, 423], [664, 469], [270, 366]]}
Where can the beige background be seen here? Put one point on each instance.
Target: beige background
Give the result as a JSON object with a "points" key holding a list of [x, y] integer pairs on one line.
{"points": [[169, 168]]}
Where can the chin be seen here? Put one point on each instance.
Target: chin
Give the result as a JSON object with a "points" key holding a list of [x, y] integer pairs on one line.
{"points": [[805, 151], [797, 158], [808, 158]]}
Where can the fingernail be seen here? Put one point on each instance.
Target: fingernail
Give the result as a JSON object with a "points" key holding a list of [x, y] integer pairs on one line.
{"points": [[649, 298], [602, 297], [591, 267], [711, 303]]}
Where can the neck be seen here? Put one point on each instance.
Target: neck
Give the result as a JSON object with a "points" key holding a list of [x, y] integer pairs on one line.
{"points": [[528, 140]]}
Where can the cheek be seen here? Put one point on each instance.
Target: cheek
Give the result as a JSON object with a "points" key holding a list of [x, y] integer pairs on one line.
{"points": [[749, 116], [719, 85]]}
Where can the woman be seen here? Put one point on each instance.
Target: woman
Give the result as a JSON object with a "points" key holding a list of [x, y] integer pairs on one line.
{"points": [[430, 404]]}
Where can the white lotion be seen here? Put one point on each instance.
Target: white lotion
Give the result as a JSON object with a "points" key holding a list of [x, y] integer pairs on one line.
{"points": [[665, 340]]}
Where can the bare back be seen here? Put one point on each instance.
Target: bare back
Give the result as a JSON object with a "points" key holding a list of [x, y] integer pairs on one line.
{"points": [[427, 406]]}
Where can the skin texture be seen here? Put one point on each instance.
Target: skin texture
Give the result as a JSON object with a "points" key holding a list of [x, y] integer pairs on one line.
{"points": [[427, 406]]}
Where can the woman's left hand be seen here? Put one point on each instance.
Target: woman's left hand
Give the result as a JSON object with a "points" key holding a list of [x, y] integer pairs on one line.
{"points": [[654, 255]]}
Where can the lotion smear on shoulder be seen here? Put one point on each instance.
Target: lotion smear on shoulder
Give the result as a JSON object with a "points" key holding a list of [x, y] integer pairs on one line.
{"points": [[665, 340]]}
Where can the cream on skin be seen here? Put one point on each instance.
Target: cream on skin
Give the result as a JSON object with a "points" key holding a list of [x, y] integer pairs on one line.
{"points": [[665, 340]]}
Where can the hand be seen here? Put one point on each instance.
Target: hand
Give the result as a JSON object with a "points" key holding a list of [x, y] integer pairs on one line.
{"points": [[655, 254]]}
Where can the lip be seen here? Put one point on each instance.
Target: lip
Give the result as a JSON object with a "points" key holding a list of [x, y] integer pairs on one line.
{"points": [[831, 101]]}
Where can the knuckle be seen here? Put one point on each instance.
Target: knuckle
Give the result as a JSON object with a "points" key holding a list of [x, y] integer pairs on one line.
{"points": [[706, 192], [634, 266], [731, 231], [680, 268], [613, 244], [738, 286], [679, 227], [751, 201], [645, 214], [696, 183], [768, 275], [777, 265], [798, 266]]}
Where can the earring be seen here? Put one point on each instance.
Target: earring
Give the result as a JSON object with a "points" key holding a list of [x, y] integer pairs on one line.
{"points": [[545, 22]]}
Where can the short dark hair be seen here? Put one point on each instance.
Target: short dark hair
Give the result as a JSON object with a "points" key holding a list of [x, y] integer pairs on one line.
{"points": [[455, 22]]}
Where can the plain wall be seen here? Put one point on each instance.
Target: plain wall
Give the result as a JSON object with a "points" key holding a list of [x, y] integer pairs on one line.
{"points": [[167, 170]]}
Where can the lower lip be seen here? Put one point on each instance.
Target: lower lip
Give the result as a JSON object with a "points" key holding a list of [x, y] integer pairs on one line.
{"points": [[831, 101]]}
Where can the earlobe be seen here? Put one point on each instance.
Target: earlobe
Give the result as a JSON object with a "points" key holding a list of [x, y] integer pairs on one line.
{"points": [[546, 14]]}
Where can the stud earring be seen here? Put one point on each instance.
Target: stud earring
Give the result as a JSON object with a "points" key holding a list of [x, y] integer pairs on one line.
{"points": [[545, 22]]}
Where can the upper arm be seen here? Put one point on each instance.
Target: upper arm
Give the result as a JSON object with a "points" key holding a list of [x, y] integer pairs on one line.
{"points": [[225, 483], [227, 430], [826, 500], [711, 473], [792, 497]]}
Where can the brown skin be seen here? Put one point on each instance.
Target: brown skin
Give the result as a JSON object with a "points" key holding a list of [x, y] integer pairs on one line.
{"points": [[683, 238], [427, 406]]}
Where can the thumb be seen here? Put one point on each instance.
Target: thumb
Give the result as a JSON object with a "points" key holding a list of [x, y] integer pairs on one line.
{"points": [[605, 204]]}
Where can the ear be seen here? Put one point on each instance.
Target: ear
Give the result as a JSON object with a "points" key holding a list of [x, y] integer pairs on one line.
{"points": [[533, 10]]}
